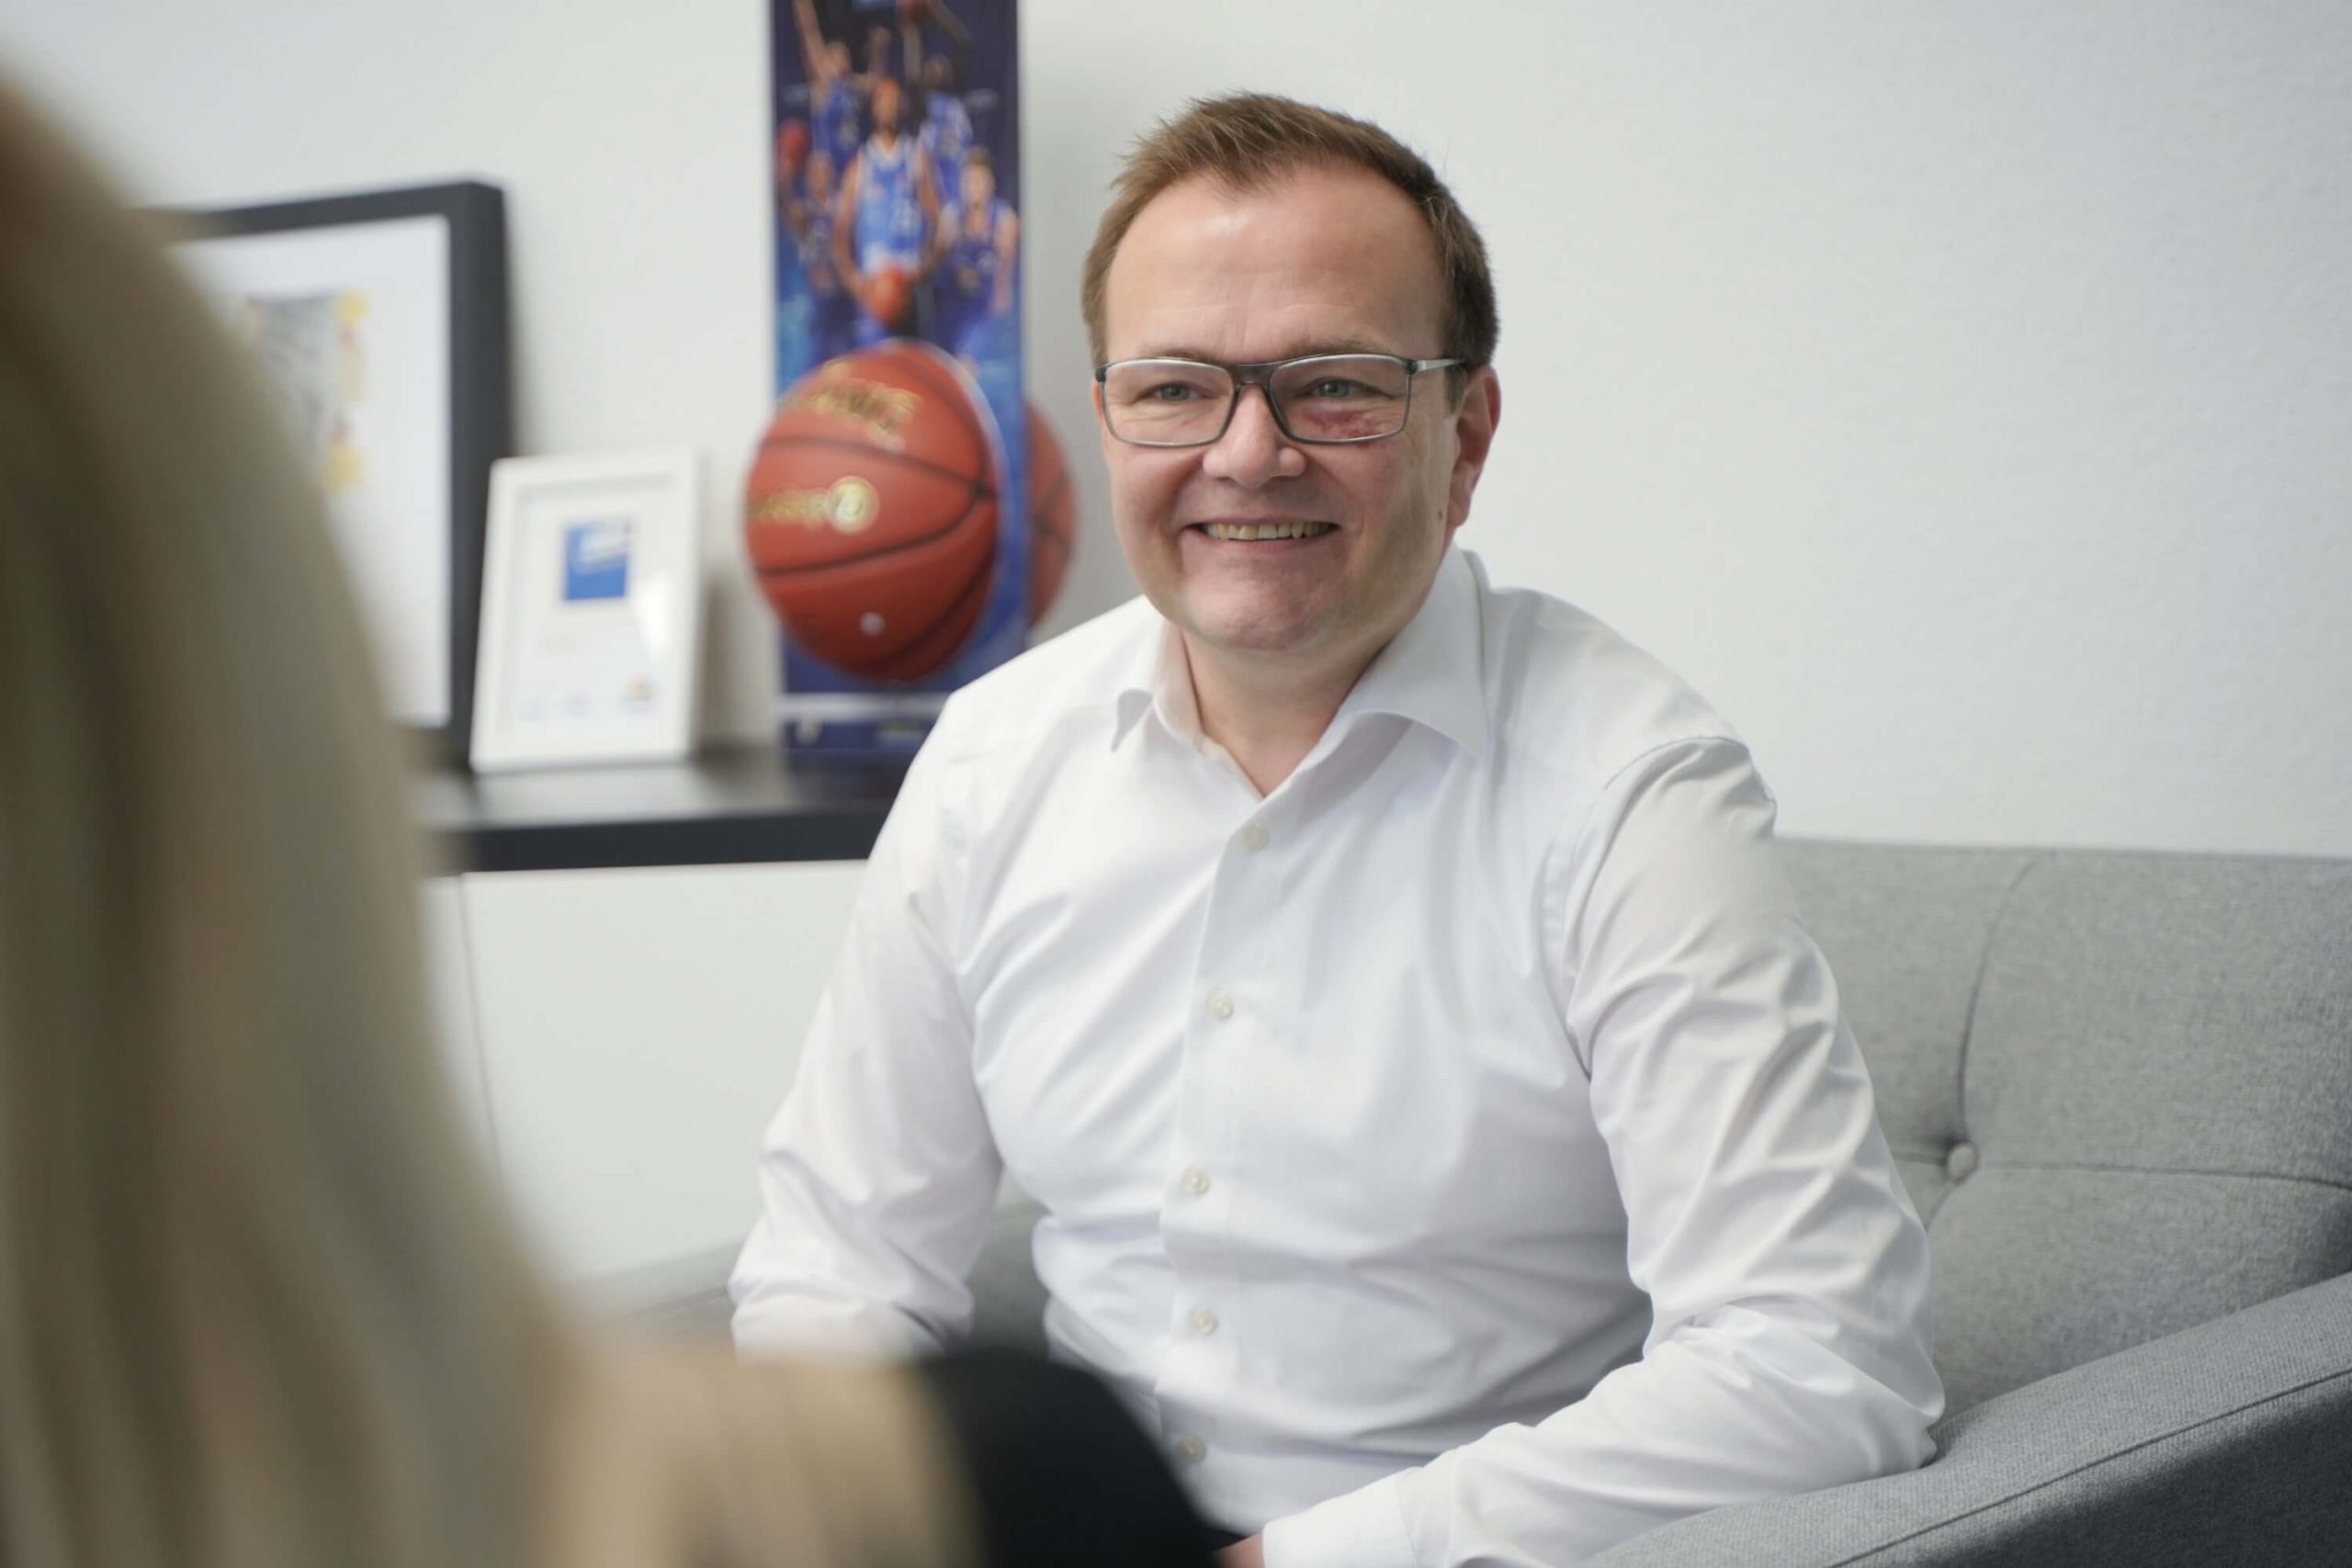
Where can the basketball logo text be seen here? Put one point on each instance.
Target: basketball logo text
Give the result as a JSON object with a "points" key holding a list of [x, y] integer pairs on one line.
{"points": [[846, 506], [881, 411]]}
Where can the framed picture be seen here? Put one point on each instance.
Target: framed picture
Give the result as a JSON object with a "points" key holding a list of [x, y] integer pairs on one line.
{"points": [[381, 321], [592, 612]]}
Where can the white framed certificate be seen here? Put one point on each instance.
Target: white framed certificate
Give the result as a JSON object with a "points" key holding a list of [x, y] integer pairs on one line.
{"points": [[591, 617]]}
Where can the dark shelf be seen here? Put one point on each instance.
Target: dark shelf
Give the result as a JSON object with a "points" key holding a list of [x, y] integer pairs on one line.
{"points": [[726, 806]]}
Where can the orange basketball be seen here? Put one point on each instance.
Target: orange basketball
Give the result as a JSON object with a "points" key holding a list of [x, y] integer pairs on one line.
{"points": [[1053, 515], [870, 515], [891, 293]]}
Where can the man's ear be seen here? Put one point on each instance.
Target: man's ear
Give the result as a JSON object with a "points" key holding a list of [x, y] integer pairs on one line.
{"points": [[1474, 418]]}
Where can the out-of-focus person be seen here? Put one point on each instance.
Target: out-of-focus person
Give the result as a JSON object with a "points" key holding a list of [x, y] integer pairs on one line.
{"points": [[259, 1304]]}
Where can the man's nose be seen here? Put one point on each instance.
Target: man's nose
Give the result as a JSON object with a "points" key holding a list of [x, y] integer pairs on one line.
{"points": [[1253, 448]]}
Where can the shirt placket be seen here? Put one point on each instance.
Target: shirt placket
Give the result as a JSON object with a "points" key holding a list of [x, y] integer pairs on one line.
{"points": [[1237, 1010]]}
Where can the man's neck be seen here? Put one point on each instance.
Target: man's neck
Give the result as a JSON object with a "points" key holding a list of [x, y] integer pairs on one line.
{"points": [[1268, 716]]}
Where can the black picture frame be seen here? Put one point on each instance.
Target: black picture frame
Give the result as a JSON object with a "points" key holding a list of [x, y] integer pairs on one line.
{"points": [[480, 403]]}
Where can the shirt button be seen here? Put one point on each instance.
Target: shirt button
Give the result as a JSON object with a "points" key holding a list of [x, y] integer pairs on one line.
{"points": [[1197, 1181], [1191, 1450], [1961, 1163], [1220, 1006], [1253, 837], [1204, 1322]]}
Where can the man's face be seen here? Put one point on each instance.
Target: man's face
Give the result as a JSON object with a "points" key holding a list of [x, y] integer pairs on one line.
{"points": [[1324, 259], [979, 184], [886, 104]]}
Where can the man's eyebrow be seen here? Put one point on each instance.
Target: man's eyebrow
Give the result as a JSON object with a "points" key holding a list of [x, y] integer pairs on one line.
{"points": [[1297, 350]]}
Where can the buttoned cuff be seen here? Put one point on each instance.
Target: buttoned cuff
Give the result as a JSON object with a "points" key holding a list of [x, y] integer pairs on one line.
{"points": [[1363, 1529]]}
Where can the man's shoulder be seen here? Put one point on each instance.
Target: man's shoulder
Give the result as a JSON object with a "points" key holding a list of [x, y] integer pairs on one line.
{"points": [[1570, 691], [1071, 680]]}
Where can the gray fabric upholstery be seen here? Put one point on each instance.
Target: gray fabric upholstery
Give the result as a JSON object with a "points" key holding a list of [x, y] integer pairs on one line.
{"points": [[2227, 1443], [2118, 1086], [2159, 1082], [1906, 930], [2145, 1058], [2042, 1269]]}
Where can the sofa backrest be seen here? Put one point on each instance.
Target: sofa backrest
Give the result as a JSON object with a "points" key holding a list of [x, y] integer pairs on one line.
{"points": [[2119, 1085]]}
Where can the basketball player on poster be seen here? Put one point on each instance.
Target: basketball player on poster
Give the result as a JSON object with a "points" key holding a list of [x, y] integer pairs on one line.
{"points": [[977, 257], [884, 218], [946, 133], [835, 92], [809, 217]]}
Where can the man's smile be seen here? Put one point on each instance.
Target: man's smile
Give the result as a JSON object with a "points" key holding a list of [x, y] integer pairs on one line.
{"points": [[1291, 530]]}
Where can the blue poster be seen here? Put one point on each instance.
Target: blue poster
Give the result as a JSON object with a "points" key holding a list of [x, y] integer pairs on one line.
{"points": [[896, 194]]}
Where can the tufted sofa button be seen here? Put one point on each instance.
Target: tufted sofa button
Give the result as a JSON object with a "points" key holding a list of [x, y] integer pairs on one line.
{"points": [[1961, 1163]]}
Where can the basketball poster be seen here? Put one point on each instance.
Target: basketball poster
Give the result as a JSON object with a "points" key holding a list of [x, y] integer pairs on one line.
{"points": [[886, 510]]}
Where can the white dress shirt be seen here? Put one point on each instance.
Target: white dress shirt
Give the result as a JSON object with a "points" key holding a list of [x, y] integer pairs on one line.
{"points": [[1455, 1156]]}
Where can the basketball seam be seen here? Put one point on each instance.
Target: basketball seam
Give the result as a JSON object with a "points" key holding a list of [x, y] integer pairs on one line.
{"points": [[940, 469], [956, 396], [932, 538], [981, 582]]}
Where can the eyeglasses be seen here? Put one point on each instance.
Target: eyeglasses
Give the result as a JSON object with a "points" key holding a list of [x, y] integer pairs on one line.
{"points": [[1324, 398]]}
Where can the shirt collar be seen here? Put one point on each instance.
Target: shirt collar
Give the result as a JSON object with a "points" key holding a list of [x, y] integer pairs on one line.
{"points": [[1431, 673], [1158, 667]]}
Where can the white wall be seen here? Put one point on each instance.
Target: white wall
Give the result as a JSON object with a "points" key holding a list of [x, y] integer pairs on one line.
{"points": [[1956, 393], [635, 1032]]}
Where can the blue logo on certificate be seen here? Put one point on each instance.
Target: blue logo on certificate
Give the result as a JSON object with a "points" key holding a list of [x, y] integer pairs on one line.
{"points": [[595, 561]]}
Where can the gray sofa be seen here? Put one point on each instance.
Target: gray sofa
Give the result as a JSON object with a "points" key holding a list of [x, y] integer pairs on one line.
{"points": [[2119, 1086]]}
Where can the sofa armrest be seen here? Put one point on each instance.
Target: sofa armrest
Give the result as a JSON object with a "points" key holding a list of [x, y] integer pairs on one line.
{"points": [[2227, 1442]]}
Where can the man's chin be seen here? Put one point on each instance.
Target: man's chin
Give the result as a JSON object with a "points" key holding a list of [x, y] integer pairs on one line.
{"points": [[1253, 632]]}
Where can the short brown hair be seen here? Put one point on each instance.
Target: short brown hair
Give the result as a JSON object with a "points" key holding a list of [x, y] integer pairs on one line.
{"points": [[1246, 141]]}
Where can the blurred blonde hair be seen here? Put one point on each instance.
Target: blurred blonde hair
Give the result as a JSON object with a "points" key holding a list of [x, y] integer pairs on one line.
{"points": [[258, 1303]]}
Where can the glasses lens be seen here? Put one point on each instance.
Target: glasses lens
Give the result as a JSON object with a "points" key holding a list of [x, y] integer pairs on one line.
{"points": [[1170, 402], [1344, 397]]}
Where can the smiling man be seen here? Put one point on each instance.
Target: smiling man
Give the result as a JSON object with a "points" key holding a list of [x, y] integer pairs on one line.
{"points": [[1449, 1138]]}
